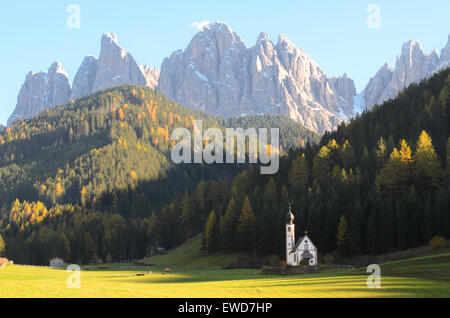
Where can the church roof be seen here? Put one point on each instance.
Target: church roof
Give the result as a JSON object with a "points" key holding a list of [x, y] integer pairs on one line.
{"points": [[299, 241], [307, 255]]}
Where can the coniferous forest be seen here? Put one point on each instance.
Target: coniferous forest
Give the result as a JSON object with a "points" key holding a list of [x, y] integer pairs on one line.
{"points": [[105, 156], [94, 180]]}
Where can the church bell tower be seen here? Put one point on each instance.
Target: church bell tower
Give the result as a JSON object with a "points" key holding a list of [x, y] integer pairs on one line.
{"points": [[290, 238]]}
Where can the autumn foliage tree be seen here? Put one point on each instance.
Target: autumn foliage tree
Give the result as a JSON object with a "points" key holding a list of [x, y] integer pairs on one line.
{"points": [[426, 169], [2, 246], [395, 176]]}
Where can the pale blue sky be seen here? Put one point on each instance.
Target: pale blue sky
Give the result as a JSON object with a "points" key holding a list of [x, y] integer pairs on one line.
{"points": [[334, 33]]}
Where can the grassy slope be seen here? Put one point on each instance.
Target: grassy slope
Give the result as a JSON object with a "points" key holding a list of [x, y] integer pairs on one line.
{"points": [[434, 266], [190, 255], [427, 276]]}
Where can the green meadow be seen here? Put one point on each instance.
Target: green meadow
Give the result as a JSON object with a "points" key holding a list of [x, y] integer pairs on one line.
{"points": [[427, 276]]}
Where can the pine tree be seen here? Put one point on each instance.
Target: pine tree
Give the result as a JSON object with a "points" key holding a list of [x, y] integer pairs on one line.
{"points": [[212, 234], [354, 233], [371, 234], [64, 247], [2, 246], [447, 164], [396, 176], [383, 215], [347, 155], [187, 216], [426, 165], [321, 163], [246, 227], [342, 235], [381, 150], [405, 152], [90, 251], [299, 173], [270, 193], [403, 228], [365, 158], [228, 226]]}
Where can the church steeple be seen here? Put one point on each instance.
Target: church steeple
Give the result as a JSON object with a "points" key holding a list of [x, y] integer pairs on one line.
{"points": [[289, 216], [291, 258]]}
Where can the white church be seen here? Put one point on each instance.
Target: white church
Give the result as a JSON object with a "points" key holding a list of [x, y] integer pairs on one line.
{"points": [[303, 249]]}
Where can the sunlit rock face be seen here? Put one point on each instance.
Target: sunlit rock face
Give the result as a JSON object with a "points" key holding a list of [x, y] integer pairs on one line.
{"points": [[115, 66], [412, 66], [41, 91], [218, 74]]}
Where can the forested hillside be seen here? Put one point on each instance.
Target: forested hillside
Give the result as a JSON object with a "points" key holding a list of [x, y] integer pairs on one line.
{"points": [[79, 177], [379, 183], [107, 152], [95, 150], [292, 134]]}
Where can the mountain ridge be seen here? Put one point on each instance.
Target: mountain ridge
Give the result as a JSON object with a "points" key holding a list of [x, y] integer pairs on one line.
{"points": [[114, 66], [411, 66], [219, 74]]}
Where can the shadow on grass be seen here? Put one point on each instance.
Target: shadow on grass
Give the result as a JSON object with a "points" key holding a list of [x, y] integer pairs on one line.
{"points": [[223, 276]]}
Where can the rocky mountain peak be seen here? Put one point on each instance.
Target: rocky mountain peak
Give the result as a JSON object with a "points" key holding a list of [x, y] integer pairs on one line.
{"points": [[57, 67], [110, 47], [411, 52], [285, 44], [218, 74], [32, 74], [218, 27], [109, 38], [410, 45], [387, 67], [84, 78], [115, 66], [41, 91], [444, 60], [412, 66], [265, 48], [263, 38], [218, 35]]}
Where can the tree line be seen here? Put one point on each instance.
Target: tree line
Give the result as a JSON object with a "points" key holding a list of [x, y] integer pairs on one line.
{"points": [[380, 183]]}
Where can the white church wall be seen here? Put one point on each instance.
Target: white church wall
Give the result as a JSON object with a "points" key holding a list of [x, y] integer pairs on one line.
{"points": [[294, 258], [290, 243]]}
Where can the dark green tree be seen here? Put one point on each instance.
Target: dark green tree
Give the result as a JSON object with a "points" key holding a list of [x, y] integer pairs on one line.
{"points": [[246, 227], [212, 234]]}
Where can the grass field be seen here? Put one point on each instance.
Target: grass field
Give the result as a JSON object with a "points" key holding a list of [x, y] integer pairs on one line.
{"points": [[427, 276], [190, 255]]}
